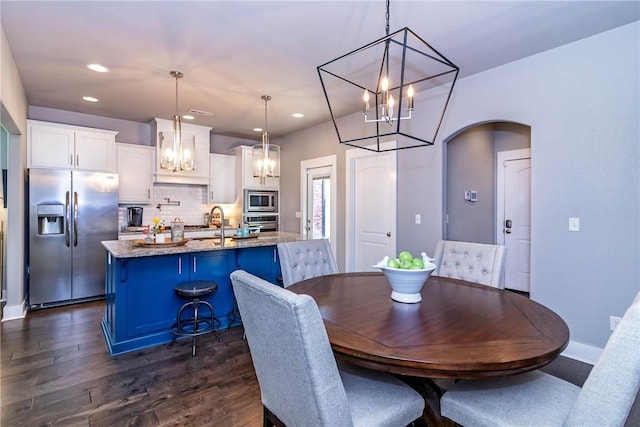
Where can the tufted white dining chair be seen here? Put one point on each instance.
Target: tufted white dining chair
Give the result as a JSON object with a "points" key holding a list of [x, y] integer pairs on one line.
{"points": [[300, 382], [305, 259], [474, 262], [539, 399]]}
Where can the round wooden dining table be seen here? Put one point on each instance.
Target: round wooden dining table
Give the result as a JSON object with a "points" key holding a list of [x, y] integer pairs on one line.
{"points": [[460, 330]]}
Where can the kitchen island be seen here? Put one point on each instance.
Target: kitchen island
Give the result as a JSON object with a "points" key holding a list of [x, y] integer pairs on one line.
{"points": [[141, 304]]}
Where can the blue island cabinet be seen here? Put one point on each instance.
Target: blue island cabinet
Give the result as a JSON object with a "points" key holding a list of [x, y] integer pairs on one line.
{"points": [[141, 304], [263, 262]]}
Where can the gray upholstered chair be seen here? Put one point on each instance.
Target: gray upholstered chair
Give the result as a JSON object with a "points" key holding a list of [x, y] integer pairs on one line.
{"points": [[306, 259], [473, 262], [539, 399], [299, 379]]}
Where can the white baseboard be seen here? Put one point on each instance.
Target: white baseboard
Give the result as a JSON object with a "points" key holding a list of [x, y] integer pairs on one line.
{"points": [[12, 312], [582, 352]]}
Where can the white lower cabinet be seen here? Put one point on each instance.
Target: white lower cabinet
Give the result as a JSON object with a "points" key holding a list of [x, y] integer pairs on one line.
{"points": [[135, 172], [222, 178]]}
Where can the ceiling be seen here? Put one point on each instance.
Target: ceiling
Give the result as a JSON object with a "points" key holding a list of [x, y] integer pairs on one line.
{"points": [[233, 52]]}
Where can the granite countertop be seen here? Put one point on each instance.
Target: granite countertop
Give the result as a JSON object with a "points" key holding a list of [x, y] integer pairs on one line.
{"points": [[130, 249]]}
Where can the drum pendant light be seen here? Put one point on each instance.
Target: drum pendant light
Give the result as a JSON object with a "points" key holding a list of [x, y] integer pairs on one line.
{"points": [[266, 156], [177, 147]]}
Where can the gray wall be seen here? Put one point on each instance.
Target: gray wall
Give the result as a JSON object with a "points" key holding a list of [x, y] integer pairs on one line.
{"points": [[471, 165], [318, 141], [13, 114], [581, 102]]}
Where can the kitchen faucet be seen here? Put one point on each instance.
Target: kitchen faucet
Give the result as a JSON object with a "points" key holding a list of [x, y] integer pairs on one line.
{"points": [[221, 222]]}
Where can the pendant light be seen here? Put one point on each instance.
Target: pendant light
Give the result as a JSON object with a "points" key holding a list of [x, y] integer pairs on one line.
{"points": [[383, 80], [177, 147], [266, 156]]}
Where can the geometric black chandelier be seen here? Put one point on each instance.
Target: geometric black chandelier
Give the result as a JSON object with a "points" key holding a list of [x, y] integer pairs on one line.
{"points": [[399, 83]]}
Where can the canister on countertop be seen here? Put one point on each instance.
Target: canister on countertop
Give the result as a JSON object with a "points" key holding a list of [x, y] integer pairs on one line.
{"points": [[177, 230]]}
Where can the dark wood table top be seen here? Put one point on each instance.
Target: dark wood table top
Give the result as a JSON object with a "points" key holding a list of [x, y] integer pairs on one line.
{"points": [[459, 330]]}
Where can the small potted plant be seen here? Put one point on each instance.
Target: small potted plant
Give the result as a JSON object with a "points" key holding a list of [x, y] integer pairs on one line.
{"points": [[158, 228]]}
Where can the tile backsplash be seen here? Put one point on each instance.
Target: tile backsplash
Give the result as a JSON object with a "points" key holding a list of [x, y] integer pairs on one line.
{"points": [[192, 209]]}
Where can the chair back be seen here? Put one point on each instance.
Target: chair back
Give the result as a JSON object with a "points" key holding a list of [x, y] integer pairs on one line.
{"points": [[474, 262], [608, 393], [306, 259], [297, 372]]}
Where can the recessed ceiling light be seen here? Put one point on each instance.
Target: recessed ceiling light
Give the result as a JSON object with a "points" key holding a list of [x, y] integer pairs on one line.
{"points": [[257, 129], [90, 99], [97, 67], [188, 117], [298, 115]]}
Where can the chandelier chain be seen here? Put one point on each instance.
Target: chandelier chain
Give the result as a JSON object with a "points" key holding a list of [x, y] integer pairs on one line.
{"points": [[387, 18]]}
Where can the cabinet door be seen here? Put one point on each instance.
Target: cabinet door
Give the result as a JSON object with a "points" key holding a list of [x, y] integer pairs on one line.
{"points": [[262, 262], [151, 301], [222, 178], [50, 147], [135, 172], [216, 266], [95, 151]]}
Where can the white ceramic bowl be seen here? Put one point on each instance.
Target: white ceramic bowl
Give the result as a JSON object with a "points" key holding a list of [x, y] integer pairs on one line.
{"points": [[407, 284]]}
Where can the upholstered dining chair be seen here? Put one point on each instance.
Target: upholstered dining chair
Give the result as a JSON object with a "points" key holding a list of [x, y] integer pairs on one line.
{"points": [[474, 262], [539, 399], [300, 382], [305, 259]]}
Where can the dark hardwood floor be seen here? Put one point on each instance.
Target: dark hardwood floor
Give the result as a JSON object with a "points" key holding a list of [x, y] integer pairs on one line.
{"points": [[55, 370]]}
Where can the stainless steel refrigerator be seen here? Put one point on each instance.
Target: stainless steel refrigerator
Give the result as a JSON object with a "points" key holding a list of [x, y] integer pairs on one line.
{"points": [[70, 213]]}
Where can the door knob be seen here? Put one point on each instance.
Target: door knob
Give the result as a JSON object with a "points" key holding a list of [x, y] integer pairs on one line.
{"points": [[388, 234]]}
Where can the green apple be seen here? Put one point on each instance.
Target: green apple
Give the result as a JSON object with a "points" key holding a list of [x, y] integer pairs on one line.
{"points": [[416, 267], [417, 262], [393, 263], [405, 256], [405, 264]]}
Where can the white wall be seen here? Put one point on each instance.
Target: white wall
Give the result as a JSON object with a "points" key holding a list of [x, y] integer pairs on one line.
{"points": [[13, 116], [582, 104]]}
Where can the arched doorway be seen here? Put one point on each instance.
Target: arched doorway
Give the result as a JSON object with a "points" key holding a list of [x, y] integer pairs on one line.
{"points": [[471, 194]]}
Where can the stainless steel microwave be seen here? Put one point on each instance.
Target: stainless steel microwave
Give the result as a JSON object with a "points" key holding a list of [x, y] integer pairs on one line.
{"points": [[260, 201]]}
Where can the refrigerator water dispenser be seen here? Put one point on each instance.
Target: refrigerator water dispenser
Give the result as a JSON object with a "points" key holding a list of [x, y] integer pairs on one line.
{"points": [[50, 219]]}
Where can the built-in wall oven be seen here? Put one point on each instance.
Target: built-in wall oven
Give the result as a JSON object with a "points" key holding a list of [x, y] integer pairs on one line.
{"points": [[260, 201], [265, 222]]}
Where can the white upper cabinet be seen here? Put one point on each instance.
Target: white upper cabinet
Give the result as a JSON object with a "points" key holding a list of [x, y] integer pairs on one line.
{"points": [[59, 146], [200, 174], [135, 173], [244, 171], [222, 178]]}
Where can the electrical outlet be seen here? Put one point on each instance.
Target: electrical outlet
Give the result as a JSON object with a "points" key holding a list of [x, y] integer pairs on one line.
{"points": [[613, 322]]}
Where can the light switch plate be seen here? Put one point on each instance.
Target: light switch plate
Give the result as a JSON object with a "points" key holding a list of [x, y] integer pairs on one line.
{"points": [[574, 224], [418, 219]]}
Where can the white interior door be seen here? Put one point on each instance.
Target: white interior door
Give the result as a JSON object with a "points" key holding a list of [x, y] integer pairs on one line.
{"points": [[371, 208], [514, 223], [318, 198]]}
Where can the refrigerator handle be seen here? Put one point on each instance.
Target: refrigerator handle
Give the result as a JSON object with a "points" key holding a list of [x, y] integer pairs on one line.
{"points": [[66, 229], [75, 218]]}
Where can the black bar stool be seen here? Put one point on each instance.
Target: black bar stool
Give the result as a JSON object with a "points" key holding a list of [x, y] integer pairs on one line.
{"points": [[200, 323]]}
